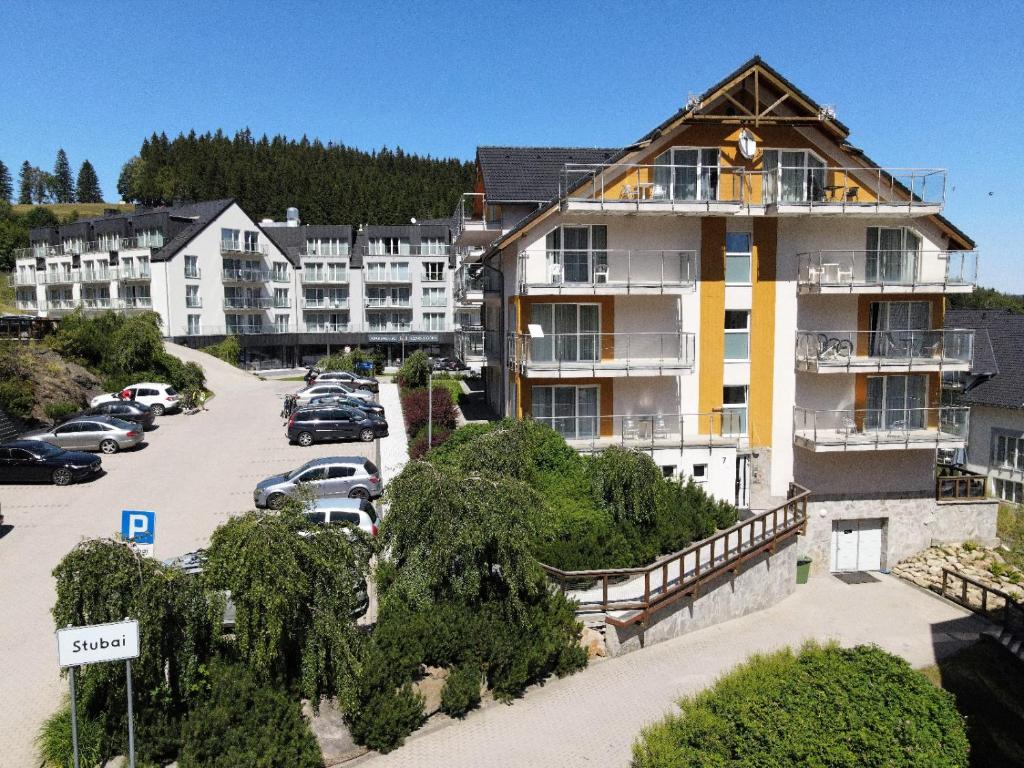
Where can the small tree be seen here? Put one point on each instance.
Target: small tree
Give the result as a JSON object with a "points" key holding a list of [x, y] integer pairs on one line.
{"points": [[88, 187], [6, 185], [415, 370], [26, 183], [63, 183]]}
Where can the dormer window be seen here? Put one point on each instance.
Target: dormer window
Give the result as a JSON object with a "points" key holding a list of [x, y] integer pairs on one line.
{"points": [[388, 246], [149, 238]]}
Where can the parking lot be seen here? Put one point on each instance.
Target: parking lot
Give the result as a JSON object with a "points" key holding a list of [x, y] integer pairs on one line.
{"points": [[194, 472]]}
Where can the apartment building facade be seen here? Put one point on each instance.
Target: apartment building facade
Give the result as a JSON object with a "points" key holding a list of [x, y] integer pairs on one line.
{"points": [[290, 292], [752, 300]]}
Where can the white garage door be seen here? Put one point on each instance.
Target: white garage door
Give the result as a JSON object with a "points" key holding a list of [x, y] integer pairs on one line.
{"points": [[857, 545]]}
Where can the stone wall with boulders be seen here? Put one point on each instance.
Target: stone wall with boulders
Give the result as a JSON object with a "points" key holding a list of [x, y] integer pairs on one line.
{"points": [[987, 566]]}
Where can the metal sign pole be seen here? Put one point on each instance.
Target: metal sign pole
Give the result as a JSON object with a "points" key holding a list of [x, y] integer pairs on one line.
{"points": [[131, 716], [74, 717]]}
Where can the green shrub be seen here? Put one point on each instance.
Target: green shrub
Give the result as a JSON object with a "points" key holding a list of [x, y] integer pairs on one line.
{"points": [[826, 706], [998, 569], [386, 718], [229, 350], [627, 482], [17, 396], [242, 723], [54, 739], [970, 546], [461, 691], [414, 371], [347, 361], [59, 410]]}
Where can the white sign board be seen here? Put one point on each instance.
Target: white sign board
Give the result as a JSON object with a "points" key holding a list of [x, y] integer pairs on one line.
{"points": [[100, 642]]}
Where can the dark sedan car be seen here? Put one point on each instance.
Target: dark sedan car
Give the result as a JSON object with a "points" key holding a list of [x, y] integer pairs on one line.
{"points": [[334, 422], [33, 461], [138, 413], [373, 409]]}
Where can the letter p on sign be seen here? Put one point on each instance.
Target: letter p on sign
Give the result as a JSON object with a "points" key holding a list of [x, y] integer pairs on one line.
{"points": [[139, 527]]}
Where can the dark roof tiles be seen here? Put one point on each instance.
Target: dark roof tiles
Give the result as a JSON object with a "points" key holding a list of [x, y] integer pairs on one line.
{"points": [[998, 356], [531, 174]]}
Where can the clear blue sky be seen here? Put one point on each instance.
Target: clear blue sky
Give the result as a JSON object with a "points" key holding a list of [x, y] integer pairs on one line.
{"points": [[919, 84]]}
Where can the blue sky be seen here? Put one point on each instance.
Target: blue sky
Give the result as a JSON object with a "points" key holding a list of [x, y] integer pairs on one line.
{"points": [[919, 84]]}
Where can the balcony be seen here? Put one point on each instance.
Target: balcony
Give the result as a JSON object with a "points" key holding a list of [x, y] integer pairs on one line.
{"points": [[193, 302], [387, 276], [551, 273], [469, 289], [474, 222], [940, 350], [98, 304], [324, 277], [98, 275], [139, 243], [245, 275], [58, 277], [720, 190], [133, 272], [248, 302], [372, 251], [325, 327], [889, 429], [323, 251], [241, 247], [325, 303], [22, 278], [887, 271], [55, 307], [28, 305], [38, 252], [469, 344], [388, 302], [135, 303], [588, 355], [646, 431], [956, 483]]}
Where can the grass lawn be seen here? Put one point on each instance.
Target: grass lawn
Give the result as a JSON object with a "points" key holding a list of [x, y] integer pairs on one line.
{"points": [[454, 387], [989, 687], [85, 210]]}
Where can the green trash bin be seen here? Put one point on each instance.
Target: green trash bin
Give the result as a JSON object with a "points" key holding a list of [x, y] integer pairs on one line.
{"points": [[803, 569]]}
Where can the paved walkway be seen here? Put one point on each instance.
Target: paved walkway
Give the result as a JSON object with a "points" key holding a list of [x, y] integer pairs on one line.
{"points": [[592, 718]]}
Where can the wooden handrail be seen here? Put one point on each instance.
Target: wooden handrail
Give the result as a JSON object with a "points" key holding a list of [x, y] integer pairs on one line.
{"points": [[1010, 603], [956, 483], [793, 514]]}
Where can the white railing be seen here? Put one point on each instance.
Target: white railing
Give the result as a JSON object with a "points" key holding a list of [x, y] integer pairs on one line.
{"points": [[20, 278], [867, 268], [99, 303], [58, 277], [237, 246], [884, 349], [386, 302], [865, 427], [600, 351], [133, 272], [248, 302], [324, 276], [387, 276], [99, 275], [325, 303], [609, 268], [647, 430], [245, 275], [404, 249], [135, 302]]}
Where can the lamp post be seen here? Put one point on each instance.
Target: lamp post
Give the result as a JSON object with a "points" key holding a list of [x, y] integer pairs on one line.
{"points": [[430, 403]]}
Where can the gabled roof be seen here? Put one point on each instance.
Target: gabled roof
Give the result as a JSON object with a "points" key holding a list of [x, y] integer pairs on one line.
{"points": [[1001, 365], [530, 174], [202, 214]]}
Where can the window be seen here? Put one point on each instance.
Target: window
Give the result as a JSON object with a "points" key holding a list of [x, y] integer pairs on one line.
{"points": [[433, 321], [793, 176], [892, 255], [1009, 490], [900, 329], [388, 246], [737, 334], [230, 240], [252, 242], [433, 297], [281, 323], [280, 272], [433, 271], [896, 403], [339, 472], [327, 246], [685, 173], [191, 266], [668, 471], [571, 411], [577, 254], [192, 296], [313, 475], [700, 473], [433, 246], [737, 258], [1008, 452], [194, 327], [149, 238], [571, 332], [734, 410], [281, 297], [110, 242]]}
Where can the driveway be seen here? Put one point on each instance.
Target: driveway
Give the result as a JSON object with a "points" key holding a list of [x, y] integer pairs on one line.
{"points": [[194, 473], [592, 718]]}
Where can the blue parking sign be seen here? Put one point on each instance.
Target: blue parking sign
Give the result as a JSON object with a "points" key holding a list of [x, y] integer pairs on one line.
{"points": [[138, 526]]}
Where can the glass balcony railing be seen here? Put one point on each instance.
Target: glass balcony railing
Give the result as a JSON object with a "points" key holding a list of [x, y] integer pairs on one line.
{"points": [[133, 272], [601, 352], [248, 302], [245, 275], [325, 302], [923, 350], [839, 270], [874, 428], [609, 269], [313, 276], [645, 430]]}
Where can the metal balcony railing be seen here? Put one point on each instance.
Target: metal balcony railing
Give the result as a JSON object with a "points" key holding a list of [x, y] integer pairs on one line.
{"points": [[325, 251], [58, 277], [324, 276], [97, 304], [325, 303], [388, 302], [135, 302], [60, 305], [851, 269], [861, 428], [403, 249], [238, 246], [38, 252], [245, 275], [248, 302], [326, 327], [22, 278], [387, 276], [608, 269], [596, 351], [473, 212], [646, 430], [133, 272], [629, 185], [934, 349], [99, 275], [27, 304]]}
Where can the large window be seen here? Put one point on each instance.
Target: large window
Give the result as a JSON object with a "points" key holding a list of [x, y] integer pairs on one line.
{"points": [[896, 403], [279, 272], [896, 328], [433, 246], [433, 271], [577, 254], [388, 246], [571, 332], [1008, 452], [252, 241], [571, 411], [734, 410], [433, 321], [1008, 490], [281, 297], [686, 174], [892, 255], [192, 296], [194, 326], [433, 297], [191, 267], [793, 176], [327, 246], [109, 242], [230, 239], [737, 334], [737, 258]]}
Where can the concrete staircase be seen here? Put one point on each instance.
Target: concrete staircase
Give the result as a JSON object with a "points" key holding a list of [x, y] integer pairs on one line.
{"points": [[1011, 641], [10, 426]]}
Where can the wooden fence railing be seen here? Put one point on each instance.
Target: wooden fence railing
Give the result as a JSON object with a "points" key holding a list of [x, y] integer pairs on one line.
{"points": [[684, 572], [1010, 613], [955, 483]]}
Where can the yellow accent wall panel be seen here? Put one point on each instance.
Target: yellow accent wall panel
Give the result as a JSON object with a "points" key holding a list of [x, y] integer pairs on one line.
{"points": [[762, 331], [712, 314]]}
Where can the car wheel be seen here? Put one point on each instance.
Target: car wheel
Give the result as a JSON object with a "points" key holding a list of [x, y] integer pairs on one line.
{"points": [[359, 493], [305, 439], [366, 388], [158, 410], [276, 500], [62, 476], [366, 435], [109, 446]]}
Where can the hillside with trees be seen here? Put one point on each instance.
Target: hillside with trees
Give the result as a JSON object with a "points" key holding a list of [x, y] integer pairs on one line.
{"points": [[329, 183], [987, 298]]}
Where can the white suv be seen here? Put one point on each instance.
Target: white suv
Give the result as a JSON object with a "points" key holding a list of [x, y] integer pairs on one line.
{"points": [[161, 398]]}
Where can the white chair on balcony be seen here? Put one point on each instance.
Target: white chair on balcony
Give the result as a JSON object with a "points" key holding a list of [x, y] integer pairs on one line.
{"points": [[844, 274], [600, 273], [555, 274], [660, 427], [630, 428], [659, 192]]}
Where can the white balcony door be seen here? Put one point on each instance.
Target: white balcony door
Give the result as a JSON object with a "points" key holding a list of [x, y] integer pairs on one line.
{"points": [[899, 328], [686, 174], [892, 255], [571, 332], [896, 402], [570, 411]]}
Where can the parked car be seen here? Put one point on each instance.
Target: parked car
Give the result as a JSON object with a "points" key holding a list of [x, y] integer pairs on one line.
{"points": [[303, 396], [314, 424], [373, 409], [368, 383], [332, 477], [449, 364], [125, 410], [34, 461], [161, 398], [91, 433], [358, 513]]}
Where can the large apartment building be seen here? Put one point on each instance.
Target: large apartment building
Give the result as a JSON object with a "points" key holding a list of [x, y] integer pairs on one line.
{"points": [[290, 292], [747, 296]]}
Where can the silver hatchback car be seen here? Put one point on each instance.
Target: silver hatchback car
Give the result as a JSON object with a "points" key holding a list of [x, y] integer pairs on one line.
{"points": [[335, 476], [91, 433]]}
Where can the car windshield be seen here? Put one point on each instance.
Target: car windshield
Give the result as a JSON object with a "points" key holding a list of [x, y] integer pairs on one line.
{"points": [[171, 391], [46, 449]]}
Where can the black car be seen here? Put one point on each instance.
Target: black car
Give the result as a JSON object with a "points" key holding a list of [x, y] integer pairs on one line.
{"points": [[334, 422], [372, 409], [138, 413], [33, 461], [449, 364]]}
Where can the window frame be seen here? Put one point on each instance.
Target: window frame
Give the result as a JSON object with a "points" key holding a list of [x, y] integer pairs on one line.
{"points": [[747, 254], [737, 332]]}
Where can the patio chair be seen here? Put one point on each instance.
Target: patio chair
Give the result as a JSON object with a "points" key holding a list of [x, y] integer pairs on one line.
{"points": [[630, 428], [555, 271], [627, 192], [848, 426], [660, 427], [601, 273], [898, 428]]}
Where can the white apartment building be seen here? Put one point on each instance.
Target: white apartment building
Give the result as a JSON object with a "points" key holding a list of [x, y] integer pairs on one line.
{"points": [[752, 300], [290, 292]]}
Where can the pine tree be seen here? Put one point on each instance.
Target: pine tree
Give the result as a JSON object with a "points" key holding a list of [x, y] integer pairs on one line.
{"points": [[88, 189], [26, 183], [64, 184], [6, 185]]}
